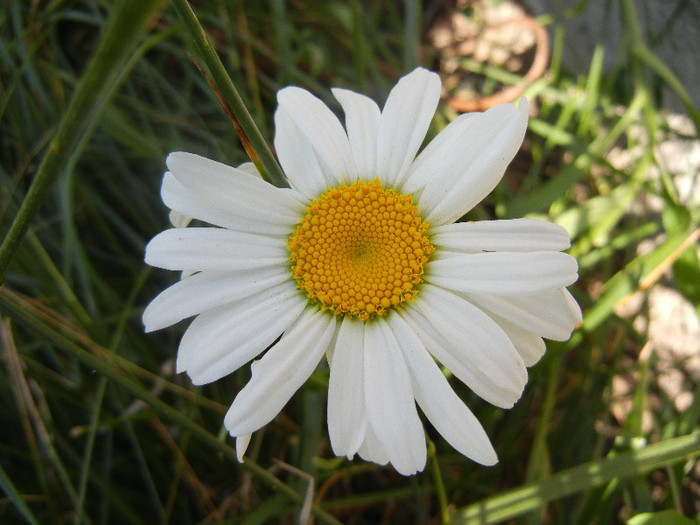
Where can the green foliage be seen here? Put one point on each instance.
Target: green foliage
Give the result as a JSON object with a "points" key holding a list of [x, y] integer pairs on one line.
{"points": [[664, 517], [96, 428]]}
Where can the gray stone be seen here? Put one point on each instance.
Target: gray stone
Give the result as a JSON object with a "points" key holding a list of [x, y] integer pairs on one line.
{"points": [[671, 29]]}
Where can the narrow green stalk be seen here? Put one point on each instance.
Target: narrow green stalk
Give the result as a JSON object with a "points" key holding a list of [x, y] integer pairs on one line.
{"points": [[439, 485], [533, 496], [649, 59], [87, 453], [102, 75], [100, 394], [412, 34], [359, 43], [15, 497], [536, 468], [25, 314], [283, 42], [261, 153]]}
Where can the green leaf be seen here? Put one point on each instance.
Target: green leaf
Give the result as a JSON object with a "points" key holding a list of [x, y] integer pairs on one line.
{"points": [[664, 517], [527, 498]]}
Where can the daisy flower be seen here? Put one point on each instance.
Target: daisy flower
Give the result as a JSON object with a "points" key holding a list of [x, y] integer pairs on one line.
{"points": [[361, 260]]}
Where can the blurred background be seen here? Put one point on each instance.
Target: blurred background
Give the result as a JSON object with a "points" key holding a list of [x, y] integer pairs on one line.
{"points": [[96, 428]]}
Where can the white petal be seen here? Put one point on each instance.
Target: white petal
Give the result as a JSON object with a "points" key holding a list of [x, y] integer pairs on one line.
{"points": [[404, 122], [445, 410], [572, 306], [250, 168], [223, 339], [280, 372], [441, 147], [347, 420], [391, 409], [298, 158], [469, 343], [213, 249], [460, 180], [515, 235], [225, 187], [179, 220], [530, 346], [362, 123], [242, 443], [548, 313], [207, 290], [322, 130], [372, 449], [504, 273], [179, 198]]}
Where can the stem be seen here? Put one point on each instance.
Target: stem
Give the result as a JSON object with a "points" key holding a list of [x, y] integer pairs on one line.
{"points": [[533, 496], [439, 485], [262, 154]]}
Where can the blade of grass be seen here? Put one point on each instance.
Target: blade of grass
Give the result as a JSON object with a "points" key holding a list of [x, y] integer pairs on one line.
{"points": [[102, 75], [27, 314], [639, 274], [260, 152], [530, 497], [550, 191], [412, 19], [438, 482], [592, 91], [11, 492], [642, 53], [99, 398]]}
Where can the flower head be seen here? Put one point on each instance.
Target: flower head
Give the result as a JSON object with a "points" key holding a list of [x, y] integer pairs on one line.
{"points": [[361, 261]]}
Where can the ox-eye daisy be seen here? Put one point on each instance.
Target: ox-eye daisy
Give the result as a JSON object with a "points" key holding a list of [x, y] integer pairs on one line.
{"points": [[361, 261]]}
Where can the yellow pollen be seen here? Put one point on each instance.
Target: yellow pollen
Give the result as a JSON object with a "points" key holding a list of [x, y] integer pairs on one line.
{"points": [[360, 250]]}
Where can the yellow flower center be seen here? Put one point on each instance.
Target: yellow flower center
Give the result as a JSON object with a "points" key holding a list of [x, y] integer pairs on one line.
{"points": [[360, 249]]}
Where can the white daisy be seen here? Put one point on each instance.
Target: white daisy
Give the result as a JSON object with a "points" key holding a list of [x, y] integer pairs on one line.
{"points": [[361, 260]]}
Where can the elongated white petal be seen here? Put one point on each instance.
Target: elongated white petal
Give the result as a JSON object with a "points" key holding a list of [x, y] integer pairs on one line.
{"points": [[391, 409], [469, 343], [504, 273], [529, 345], [242, 443], [207, 290], [444, 144], [547, 313], [225, 187], [347, 419], [572, 306], [404, 122], [181, 199], [298, 158], [322, 130], [280, 372], [464, 177], [372, 449], [223, 339], [445, 410], [362, 124], [515, 235], [213, 249]]}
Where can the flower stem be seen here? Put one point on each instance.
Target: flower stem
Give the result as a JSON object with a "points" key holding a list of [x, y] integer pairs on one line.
{"points": [[533, 496], [253, 141], [439, 485]]}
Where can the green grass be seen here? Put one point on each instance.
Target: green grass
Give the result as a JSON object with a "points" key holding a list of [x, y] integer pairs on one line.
{"points": [[95, 427]]}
